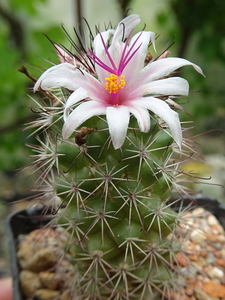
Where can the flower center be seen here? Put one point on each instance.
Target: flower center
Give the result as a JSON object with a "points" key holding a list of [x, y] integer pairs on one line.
{"points": [[114, 83]]}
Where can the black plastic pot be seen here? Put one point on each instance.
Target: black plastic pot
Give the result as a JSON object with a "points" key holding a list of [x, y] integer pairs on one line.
{"points": [[22, 222], [25, 221]]}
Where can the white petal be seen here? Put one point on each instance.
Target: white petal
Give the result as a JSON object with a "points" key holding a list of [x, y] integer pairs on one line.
{"points": [[80, 114], [163, 67], [142, 116], [125, 27], [145, 37], [168, 86], [75, 97], [162, 109], [62, 75], [97, 43], [118, 119]]}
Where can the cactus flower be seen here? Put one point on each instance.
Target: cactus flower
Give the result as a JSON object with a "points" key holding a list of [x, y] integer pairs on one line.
{"points": [[121, 85]]}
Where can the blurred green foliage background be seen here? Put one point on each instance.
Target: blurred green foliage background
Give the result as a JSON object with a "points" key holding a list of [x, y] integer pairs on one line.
{"points": [[196, 26]]}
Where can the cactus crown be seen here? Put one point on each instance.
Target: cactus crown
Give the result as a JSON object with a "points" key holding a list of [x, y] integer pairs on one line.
{"points": [[108, 155]]}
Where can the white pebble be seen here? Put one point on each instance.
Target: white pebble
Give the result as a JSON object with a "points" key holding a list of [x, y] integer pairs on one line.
{"points": [[215, 273], [212, 220], [198, 236], [198, 212]]}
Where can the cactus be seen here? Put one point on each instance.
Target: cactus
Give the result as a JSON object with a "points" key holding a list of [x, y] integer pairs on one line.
{"points": [[104, 170]]}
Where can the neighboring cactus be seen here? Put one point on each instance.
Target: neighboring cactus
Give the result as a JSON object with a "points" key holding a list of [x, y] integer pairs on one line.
{"points": [[109, 181]]}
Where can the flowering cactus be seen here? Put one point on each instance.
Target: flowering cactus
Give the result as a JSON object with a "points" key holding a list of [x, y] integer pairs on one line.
{"points": [[110, 146]]}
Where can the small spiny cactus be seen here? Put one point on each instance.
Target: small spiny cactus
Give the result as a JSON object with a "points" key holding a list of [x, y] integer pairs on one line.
{"points": [[108, 156]]}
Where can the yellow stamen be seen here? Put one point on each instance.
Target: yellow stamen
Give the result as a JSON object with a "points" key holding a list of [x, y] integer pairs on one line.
{"points": [[114, 83]]}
